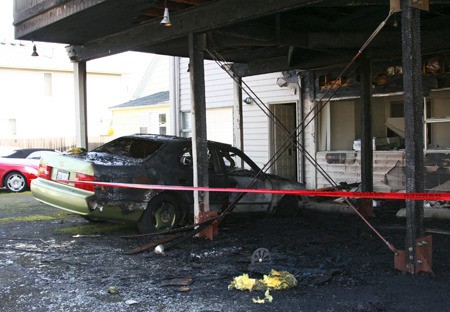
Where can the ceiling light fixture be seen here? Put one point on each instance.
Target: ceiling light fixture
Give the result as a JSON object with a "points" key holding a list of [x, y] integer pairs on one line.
{"points": [[166, 20], [34, 51]]}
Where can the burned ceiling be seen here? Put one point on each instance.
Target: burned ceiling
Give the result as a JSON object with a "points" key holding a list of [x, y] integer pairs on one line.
{"points": [[262, 36]]}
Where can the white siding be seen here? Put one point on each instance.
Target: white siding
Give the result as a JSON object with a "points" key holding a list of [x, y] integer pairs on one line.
{"points": [[155, 78], [220, 124], [218, 86], [256, 123]]}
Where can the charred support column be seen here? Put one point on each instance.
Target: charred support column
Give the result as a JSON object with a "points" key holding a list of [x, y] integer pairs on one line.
{"points": [[365, 71], [413, 105], [308, 96], [238, 129], [199, 140], [79, 71]]}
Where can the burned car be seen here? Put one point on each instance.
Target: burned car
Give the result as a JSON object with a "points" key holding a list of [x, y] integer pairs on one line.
{"points": [[152, 160]]}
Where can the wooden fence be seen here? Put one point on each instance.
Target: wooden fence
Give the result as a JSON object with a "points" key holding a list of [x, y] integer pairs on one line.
{"points": [[58, 143]]}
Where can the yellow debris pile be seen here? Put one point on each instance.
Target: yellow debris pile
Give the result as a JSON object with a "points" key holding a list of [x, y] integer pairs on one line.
{"points": [[267, 298], [77, 151], [243, 282], [275, 280]]}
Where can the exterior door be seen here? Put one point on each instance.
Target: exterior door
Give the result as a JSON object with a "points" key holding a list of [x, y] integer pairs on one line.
{"points": [[286, 161]]}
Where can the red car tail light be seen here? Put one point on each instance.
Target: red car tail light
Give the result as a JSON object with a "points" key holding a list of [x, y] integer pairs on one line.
{"points": [[85, 177], [44, 172]]}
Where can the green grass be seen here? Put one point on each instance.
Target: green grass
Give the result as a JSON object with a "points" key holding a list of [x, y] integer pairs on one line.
{"points": [[33, 218]]}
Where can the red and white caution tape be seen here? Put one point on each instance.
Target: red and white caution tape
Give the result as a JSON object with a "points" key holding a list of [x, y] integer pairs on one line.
{"points": [[372, 195]]}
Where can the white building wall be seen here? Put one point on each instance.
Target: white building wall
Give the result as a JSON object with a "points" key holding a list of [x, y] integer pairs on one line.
{"points": [[154, 76], [219, 100], [130, 120], [38, 93], [220, 124], [37, 114], [218, 86]]}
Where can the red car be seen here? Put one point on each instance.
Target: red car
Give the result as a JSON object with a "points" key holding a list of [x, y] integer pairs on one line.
{"points": [[16, 173]]}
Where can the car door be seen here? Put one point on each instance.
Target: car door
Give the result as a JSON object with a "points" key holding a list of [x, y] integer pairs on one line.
{"points": [[243, 173], [217, 179]]}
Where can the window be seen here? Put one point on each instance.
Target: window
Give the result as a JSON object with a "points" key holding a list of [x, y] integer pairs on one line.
{"points": [[186, 159], [234, 160], [157, 123], [338, 125], [437, 121], [135, 148], [162, 124]]}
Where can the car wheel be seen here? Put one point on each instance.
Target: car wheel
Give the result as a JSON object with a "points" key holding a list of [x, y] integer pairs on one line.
{"points": [[15, 182], [164, 212]]}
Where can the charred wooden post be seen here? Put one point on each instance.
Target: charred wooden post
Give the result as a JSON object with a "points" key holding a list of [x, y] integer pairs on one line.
{"points": [[414, 141], [308, 103], [79, 71], [238, 122], [365, 73], [199, 140]]}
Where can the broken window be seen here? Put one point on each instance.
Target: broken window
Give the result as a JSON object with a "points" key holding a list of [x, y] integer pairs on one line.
{"points": [[437, 121], [186, 159], [340, 129], [338, 125], [131, 147], [233, 161]]}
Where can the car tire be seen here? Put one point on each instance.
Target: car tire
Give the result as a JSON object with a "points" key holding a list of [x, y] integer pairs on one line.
{"points": [[15, 182], [164, 212]]}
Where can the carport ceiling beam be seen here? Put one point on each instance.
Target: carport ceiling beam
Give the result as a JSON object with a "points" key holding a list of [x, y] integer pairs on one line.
{"points": [[195, 20], [271, 65], [299, 58]]}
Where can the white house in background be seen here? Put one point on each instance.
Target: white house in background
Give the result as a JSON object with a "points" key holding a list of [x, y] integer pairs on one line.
{"points": [[148, 114], [37, 92]]}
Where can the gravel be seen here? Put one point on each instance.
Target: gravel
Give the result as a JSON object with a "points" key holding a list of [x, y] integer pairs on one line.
{"points": [[55, 261]]}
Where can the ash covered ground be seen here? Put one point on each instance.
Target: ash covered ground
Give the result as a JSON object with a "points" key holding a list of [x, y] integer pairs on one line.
{"points": [[55, 261]]}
